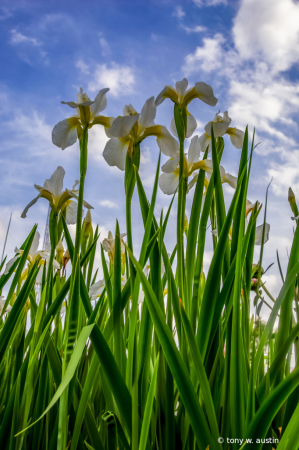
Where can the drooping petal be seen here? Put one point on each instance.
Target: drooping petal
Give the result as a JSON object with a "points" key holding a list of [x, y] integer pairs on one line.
{"points": [[54, 185], [194, 150], [100, 103], [191, 124], [231, 180], [192, 182], [205, 93], [71, 104], [173, 127], [171, 165], [96, 289], [106, 245], [35, 243], [24, 213], [181, 87], [122, 125], [72, 194], [169, 182], [10, 263], [71, 213], [167, 144], [250, 206], [205, 141], [115, 152], [147, 115], [65, 133], [236, 137], [259, 234], [167, 92]]}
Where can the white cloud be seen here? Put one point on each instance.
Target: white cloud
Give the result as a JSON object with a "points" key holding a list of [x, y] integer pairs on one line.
{"points": [[108, 204], [196, 29], [268, 29], [257, 96], [201, 3], [120, 79], [19, 38], [105, 47], [5, 14], [29, 48], [285, 172], [206, 58], [83, 67], [179, 12]]}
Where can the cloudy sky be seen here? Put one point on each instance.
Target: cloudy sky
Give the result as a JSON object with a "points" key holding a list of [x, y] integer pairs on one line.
{"points": [[246, 50]]}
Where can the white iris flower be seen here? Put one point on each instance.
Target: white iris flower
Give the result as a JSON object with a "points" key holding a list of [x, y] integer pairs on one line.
{"points": [[58, 199], [66, 132], [183, 96], [34, 255], [130, 129], [221, 126]]}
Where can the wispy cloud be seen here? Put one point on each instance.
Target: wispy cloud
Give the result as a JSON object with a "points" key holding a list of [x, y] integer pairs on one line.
{"points": [[201, 3], [268, 30], [29, 48], [19, 38], [206, 58], [179, 12], [82, 66], [104, 46], [108, 204], [196, 29], [120, 78], [5, 13]]}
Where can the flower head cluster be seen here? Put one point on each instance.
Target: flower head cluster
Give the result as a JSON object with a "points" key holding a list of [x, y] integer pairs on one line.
{"points": [[66, 132], [131, 129], [34, 255], [109, 246], [182, 96], [58, 199], [221, 126]]}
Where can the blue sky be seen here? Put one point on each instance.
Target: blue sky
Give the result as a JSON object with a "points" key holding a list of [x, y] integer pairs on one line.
{"points": [[246, 50]]}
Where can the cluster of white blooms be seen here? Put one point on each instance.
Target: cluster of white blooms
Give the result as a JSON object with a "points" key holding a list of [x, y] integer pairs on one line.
{"points": [[125, 133]]}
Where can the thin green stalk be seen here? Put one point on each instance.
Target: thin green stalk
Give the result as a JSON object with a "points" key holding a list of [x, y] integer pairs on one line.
{"points": [[180, 223], [83, 170]]}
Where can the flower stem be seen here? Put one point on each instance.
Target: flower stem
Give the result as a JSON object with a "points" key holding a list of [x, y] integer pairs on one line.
{"points": [[83, 169], [180, 223]]}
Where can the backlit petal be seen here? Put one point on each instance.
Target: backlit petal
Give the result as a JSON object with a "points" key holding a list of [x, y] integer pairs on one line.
{"points": [[181, 87], [71, 213], [194, 150], [205, 141], [167, 144], [191, 125], [55, 183], [115, 152], [259, 234], [205, 93], [171, 165], [122, 125], [231, 180], [169, 182], [148, 114], [236, 137], [64, 133], [173, 127], [100, 103]]}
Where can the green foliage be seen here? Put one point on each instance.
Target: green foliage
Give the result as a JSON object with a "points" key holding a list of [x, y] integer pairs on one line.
{"points": [[169, 356]]}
